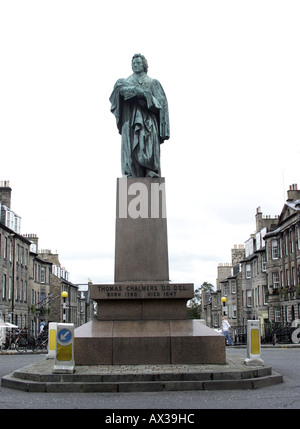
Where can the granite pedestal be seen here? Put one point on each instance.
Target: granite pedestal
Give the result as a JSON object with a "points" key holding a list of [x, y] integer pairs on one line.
{"points": [[142, 315], [141, 246]]}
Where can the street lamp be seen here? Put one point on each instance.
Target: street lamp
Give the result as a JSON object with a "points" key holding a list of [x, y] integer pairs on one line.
{"points": [[64, 295], [224, 300]]}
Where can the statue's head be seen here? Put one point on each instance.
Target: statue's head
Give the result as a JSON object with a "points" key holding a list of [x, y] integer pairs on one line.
{"points": [[143, 59]]}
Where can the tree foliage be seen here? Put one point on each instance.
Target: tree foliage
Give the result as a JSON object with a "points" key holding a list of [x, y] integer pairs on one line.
{"points": [[194, 305]]}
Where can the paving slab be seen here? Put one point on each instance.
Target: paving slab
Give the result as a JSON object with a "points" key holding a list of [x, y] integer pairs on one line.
{"points": [[142, 378]]}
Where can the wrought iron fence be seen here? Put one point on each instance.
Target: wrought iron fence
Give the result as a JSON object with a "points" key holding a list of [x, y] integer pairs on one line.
{"points": [[271, 333]]}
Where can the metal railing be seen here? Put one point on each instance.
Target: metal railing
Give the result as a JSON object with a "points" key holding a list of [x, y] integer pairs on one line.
{"points": [[271, 333]]}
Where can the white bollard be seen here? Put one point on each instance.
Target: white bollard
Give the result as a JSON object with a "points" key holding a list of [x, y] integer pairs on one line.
{"points": [[52, 328], [253, 343], [64, 356]]}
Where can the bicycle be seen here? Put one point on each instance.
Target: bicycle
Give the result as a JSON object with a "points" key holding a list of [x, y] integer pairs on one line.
{"points": [[41, 342]]}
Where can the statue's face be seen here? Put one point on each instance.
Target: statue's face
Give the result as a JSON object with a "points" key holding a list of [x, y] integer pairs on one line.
{"points": [[137, 65]]}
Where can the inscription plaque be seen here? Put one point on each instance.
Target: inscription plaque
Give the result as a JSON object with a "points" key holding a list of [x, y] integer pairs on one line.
{"points": [[142, 290]]}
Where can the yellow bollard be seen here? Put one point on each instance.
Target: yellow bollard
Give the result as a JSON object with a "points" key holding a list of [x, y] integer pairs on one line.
{"points": [[64, 357], [52, 328], [253, 343]]}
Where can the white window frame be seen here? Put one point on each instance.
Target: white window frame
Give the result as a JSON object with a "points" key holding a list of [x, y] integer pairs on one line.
{"points": [[216, 320], [10, 288], [4, 281], [225, 290], [287, 277], [43, 274], [248, 271], [275, 279], [248, 298], [291, 241], [234, 311], [264, 290], [275, 249]]}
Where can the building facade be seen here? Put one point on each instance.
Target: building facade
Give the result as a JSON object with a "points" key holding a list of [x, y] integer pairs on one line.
{"points": [[14, 263], [254, 272], [264, 279], [39, 287], [283, 262], [31, 281]]}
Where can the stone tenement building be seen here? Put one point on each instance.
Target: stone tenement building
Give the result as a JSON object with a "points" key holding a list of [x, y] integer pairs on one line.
{"points": [[283, 262], [226, 281], [31, 281], [14, 263], [263, 279]]}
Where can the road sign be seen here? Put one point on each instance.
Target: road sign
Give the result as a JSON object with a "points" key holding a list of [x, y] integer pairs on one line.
{"points": [[64, 357], [64, 336]]}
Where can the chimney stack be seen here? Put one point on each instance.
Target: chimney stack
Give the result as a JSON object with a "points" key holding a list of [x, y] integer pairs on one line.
{"points": [[34, 239], [5, 193], [237, 254], [293, 193], [259, 219]]}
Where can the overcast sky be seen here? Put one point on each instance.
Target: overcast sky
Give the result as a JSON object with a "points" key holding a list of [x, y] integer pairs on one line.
{"points": [[231, 73]]}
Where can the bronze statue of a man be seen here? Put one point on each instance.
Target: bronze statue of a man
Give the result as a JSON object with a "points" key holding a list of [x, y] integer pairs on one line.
{"points": [[141, 110]]}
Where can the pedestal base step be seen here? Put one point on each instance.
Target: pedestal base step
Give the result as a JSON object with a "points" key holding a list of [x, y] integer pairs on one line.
{"points": [[142, 378], [156, 342]]}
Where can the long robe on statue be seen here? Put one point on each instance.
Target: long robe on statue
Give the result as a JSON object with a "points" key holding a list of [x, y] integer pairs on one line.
{"points": [[141, 110]]}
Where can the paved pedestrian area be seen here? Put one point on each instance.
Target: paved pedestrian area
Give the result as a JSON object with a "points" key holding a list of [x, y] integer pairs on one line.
{"points": [[233, 363], [145, 378]]}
